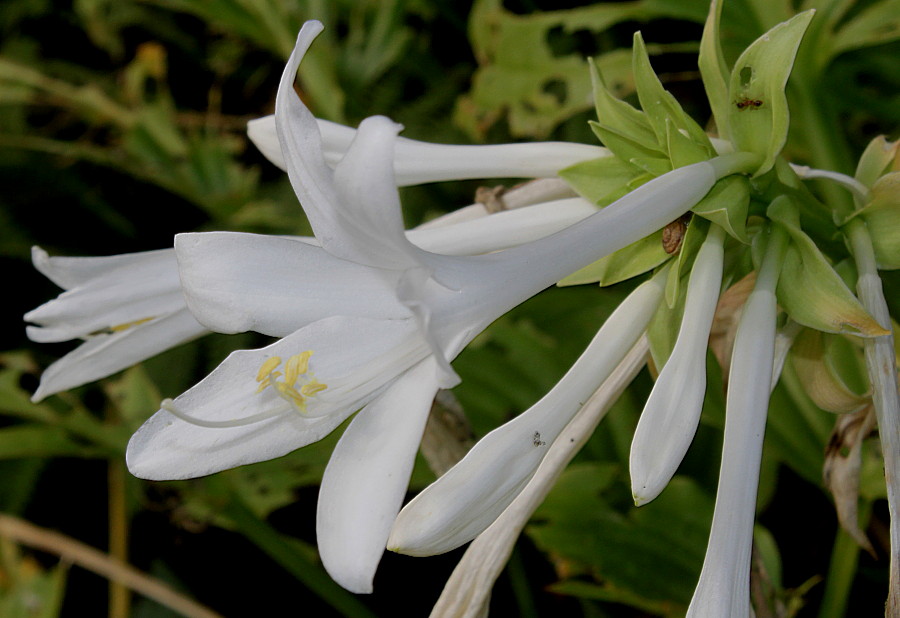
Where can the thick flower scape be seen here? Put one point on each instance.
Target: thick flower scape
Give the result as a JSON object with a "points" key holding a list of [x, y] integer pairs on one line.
{"points": [[369, 317]]}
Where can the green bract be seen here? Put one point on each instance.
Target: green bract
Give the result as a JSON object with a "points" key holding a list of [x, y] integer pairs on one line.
{"points": [[813, 357], [662, 111], [726, 204], [713, 68], [809, 289], [882, 217], [635, 259], [758, 117], [604, 180]]}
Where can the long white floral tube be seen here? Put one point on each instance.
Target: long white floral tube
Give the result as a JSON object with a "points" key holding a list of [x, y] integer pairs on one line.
{"points": [[724, 586], [470, 496], [421, 162], [672, 412]]}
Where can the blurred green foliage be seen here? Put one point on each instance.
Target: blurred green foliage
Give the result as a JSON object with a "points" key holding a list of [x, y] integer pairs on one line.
{"points": [[122, 122]]}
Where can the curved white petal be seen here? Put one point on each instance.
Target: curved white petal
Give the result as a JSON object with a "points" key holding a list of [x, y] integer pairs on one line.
{"points": [[367, 476], [334, 212], [355, 358], [364, 180], [672, 412], [417, 162], [108, 353], [470, 496], [109, 292], [235, 282], [69, 272]]}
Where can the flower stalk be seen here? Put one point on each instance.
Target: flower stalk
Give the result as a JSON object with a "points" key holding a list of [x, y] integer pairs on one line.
{"points": [[882, 369]]}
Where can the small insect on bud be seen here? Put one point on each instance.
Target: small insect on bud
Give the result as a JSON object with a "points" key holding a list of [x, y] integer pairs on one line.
{"points": [[748, 104], [673, 234]]}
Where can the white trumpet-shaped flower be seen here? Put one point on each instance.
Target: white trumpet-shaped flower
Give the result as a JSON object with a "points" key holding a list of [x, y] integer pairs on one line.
{"points": [[724, 586], [399, 315], [672, 412], [127, 308], [471, 495]]}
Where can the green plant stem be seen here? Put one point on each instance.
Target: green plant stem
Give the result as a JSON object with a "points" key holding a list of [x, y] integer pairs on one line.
{"points": [[307, 572], [842, 570]]}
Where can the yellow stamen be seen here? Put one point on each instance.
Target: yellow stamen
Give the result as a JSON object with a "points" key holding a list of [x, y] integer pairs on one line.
{"points": [[268, 367], [290, 393], [296, 366], [311, 388]]}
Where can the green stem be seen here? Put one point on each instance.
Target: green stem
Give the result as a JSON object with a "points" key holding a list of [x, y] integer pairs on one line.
{"points": [[842, 570], [306, 571]]}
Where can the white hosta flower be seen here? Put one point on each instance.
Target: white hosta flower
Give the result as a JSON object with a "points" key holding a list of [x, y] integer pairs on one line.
{"points": [[130, 307], [672, 412], [724, 586], [127, 308], [421, 162], [471, 495], [400, 315]]}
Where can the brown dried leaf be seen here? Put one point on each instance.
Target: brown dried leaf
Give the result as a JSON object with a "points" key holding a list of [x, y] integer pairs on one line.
{"points": [[843, 459]]}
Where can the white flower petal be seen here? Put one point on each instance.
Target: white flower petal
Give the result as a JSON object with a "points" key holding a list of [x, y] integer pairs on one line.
{"points": [[470, 496], [333, 218], [672, 412], [502, 230], [108, 353], [364, 180], [367, 477], [110, 292], [417, 162], [69, 272], [236, 282], [354, 357]]}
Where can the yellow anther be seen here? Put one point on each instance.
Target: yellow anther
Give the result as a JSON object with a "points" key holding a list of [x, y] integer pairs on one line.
{"points": [[268, 367], [311, 388], [296, 366], [290, 393]]}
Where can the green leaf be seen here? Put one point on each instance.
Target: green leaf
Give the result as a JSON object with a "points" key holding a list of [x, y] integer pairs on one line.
{"points": [[631, 261], [876, 24], [523, 75], [726, 205], [40, 441], [758, 118], [809, 289], [655, 551]]}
